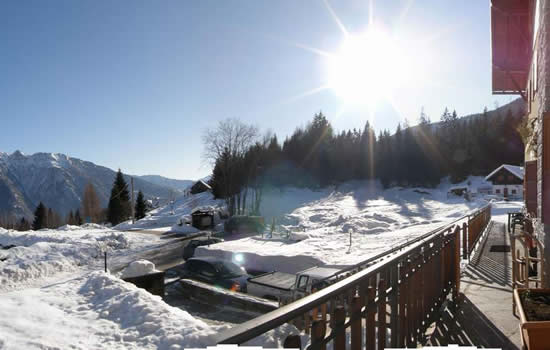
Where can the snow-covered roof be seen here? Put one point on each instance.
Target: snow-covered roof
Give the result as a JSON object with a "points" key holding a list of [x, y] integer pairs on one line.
{"points": [[514, 169]]}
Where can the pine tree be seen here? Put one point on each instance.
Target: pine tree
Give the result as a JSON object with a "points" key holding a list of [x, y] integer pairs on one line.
{"points": [[40, 217], [23, 225], [77, 218], [70, 218], [119, 203], [140, 206]]}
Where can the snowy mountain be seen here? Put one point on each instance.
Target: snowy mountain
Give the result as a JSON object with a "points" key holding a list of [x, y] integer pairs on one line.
{"points": [[58, 181], [179, 185]]}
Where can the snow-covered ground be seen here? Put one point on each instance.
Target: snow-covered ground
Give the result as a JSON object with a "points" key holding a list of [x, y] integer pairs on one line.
{"points": [[319, 223], [165, 217], [53, 293]]}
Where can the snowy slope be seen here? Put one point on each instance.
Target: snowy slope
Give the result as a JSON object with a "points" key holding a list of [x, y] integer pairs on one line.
{"points": [[167, 216], [320, 223]]}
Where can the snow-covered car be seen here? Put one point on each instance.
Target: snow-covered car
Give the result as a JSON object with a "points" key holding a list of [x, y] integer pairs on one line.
{"points": [[287, 286], [216, 271], [189, 249]]}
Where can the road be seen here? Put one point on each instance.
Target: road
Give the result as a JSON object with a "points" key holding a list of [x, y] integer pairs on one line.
{"points": [[167, 254]]}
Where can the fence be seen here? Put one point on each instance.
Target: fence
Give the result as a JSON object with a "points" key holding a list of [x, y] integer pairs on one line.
{"points": [[387, 304]]}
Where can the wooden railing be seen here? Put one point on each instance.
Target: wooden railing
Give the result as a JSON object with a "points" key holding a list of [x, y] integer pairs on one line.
{"points": [[477, 222], [387, 304]]}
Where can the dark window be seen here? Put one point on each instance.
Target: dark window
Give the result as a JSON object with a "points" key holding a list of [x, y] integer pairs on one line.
{"points": [[500, 178], [497, 191], [302, 282], [206, 269], [510, 178], [513, 191]]}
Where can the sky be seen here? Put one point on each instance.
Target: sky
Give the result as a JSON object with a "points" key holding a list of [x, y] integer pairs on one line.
{"points": [[134, 84]]}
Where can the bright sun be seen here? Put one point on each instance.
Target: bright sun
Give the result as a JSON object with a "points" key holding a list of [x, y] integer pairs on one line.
{"points": [[366, 68]]}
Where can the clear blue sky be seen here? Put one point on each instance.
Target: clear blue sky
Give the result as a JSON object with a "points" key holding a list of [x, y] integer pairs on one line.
{"points": [[133, 84]]}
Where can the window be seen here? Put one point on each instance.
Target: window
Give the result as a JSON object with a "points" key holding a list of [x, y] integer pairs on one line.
{"points": [[497, 191], [514, 191], [500, 178], [302, 282], [206, 270], [510, 178]]}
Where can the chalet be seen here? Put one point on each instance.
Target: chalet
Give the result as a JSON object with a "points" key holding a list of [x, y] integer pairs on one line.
{"points": [[199, 187], [507, 181]]}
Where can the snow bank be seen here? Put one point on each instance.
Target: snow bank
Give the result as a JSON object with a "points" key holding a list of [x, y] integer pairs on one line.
{"points": [[139, 268], [42, 254], [185, 229], [100, 311]]}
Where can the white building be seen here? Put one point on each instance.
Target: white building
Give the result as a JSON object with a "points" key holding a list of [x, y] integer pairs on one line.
{"points": [[507, 181]]}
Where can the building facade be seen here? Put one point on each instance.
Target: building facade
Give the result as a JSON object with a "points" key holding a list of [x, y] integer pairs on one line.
{"points": [[520, 45], [507, 181]]}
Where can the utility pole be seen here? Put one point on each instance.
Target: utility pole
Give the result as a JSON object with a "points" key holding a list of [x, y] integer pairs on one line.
{"points": [[133, 206]]}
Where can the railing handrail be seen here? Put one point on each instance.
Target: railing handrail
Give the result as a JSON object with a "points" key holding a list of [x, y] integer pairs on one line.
{"points": [[408, 243], [258, 326]]}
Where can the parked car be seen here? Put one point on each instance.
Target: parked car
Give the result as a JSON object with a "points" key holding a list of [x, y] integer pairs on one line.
{"points": [[189, 249], [216, 271], [288, 286]]}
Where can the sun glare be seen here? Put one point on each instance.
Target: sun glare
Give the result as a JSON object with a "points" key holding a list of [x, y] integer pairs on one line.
{"points": [[366, 68]]}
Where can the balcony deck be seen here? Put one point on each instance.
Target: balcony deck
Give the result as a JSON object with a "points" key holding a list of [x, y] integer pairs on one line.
{"points": [[484, 318]]}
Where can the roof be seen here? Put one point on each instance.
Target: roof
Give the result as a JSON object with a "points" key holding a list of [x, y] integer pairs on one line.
{"points": [[516, 170], [511, 45]]}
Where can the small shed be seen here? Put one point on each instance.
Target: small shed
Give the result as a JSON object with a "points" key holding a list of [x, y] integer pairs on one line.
{"points": [[199, 187], [507, 181], [202, 218]]}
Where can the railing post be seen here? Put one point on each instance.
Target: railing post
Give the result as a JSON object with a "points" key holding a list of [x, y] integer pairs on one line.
{"points": [[369, 322], [465, 241], [456, 286], [340, 338], [381, 314], [393, 300], [318, 332], [356, 324]]}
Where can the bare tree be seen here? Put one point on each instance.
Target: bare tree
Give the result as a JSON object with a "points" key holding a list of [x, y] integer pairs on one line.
{"points": [[230, 134], [230, 138], [91, 208]]}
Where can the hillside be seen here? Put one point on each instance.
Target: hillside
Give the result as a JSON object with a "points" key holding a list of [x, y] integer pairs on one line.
{"points": [[58, 181]]}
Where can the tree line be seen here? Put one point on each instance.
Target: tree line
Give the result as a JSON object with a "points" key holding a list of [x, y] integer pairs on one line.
{"points": [[90, 211], [316, 155]]}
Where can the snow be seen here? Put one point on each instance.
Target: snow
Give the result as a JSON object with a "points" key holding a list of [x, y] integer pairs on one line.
{"points": [[96, 311], [171, 214], [139, 268], [314, 227], [53, 294]]}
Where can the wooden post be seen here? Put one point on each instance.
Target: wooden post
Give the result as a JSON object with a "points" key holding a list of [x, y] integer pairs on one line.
{"points": [[465, 241], [381, 314], [356, 305], [318, 332], [340, 338], [456, 265], [370, 324]]}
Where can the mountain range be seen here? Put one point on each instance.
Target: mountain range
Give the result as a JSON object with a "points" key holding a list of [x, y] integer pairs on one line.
{"points": [[58, 181]]}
